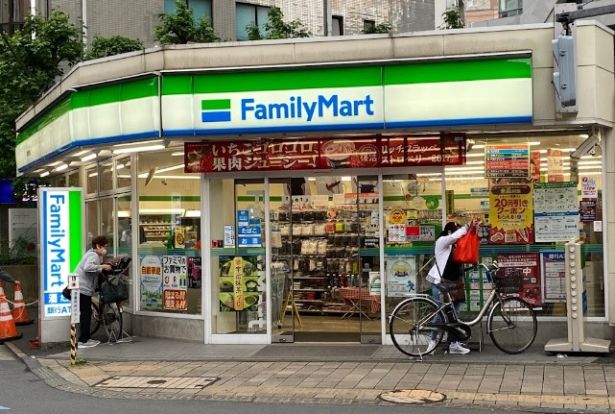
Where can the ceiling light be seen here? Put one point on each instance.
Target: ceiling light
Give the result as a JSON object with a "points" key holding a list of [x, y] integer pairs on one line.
{"points": [[80, 153], [475, 155], [151, 141], [346, 179], [179, 211], [88, 157], [139, 149], [123, 213], [175, 167], [478, 146], [61, 167], [429, 175], [44, 174], [53, 164], [533, 143], [311, 178], [193, 213], [177, 154]]}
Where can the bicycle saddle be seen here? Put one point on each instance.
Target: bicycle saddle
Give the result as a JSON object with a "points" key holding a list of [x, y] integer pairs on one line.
{"points": [[445, 287]]}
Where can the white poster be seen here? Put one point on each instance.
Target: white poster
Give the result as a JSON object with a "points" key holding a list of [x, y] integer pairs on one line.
{"points": [[174, 272], [589, 189], [556, 212], [151, 283], [22, 228], [401, 275]]}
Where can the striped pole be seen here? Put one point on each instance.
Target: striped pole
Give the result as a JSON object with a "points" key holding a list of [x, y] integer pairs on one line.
{"points": [[73, 344]]}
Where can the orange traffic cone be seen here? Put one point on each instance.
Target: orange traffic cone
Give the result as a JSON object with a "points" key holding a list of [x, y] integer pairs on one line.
{"points": [[20, 313], [8, 331]]}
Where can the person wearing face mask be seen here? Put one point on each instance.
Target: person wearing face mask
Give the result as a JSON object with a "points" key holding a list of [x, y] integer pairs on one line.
{"points": [[88, 270]]}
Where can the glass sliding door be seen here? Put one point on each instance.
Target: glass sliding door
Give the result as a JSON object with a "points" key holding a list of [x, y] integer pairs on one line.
{"points": [[238, 261]]}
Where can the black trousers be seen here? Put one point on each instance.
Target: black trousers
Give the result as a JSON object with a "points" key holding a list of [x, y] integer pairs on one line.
{"points": [[85, 317]]}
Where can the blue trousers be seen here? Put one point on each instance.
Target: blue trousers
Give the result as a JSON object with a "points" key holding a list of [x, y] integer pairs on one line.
{"points": [[437, 296]]}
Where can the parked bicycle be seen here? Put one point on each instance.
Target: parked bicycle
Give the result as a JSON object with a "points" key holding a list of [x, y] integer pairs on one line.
{"points": [[107, 310], [417, 325]]}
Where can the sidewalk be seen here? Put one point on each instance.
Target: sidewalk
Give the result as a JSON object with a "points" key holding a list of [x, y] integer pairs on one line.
{"points": [[328, 374]]}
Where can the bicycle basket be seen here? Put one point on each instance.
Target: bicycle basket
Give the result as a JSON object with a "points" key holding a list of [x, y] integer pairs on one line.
{"points": [[114, 289], [510, 283]]}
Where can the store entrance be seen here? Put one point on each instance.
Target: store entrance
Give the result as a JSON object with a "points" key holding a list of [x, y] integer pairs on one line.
{"points": [[324, 239]]}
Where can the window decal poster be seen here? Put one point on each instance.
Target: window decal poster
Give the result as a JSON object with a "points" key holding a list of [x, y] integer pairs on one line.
{"points": [[507, 161], [554, 277], [151, 283], [510, 214], [174, 282], [556, 211], [526, 266]]}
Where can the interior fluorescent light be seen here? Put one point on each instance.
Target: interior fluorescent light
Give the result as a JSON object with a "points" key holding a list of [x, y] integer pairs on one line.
{"points": [[123, 213], [478, 177], [178, 177], [429, 175], [475, 154], [61, 167], [175, 167], [176, 211], [44, 174], [478, 146], [93, 174], [53, 164], [151, 141], [311, 178], [475, 162], [534, 143], [88, 157], [193, 213], [177, 154], [346, 179], [80, 153], [466, 169], [139, 149]]}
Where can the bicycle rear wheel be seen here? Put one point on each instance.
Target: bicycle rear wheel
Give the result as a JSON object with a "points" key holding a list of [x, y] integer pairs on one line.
{"points": [[512, 325], [95, 319], [416, 327], [112, 321]]}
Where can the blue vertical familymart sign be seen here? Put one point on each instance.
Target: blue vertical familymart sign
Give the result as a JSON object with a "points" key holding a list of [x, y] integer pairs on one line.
{"points": [[61, 245]]}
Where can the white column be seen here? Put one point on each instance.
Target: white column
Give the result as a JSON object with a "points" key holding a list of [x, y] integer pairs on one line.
{"points": [[608, 219]]}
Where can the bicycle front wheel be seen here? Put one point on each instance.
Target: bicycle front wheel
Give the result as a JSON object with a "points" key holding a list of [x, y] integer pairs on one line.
{"points": [[112, 321], [416, 326], [512, 325]]}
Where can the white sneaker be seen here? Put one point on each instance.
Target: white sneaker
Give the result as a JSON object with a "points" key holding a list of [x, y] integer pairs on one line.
{"points": [[91, 343], [458, 348], [431, 345]]}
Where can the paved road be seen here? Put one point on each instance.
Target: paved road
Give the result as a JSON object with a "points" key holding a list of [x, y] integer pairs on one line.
{"points": [[22, 392]]}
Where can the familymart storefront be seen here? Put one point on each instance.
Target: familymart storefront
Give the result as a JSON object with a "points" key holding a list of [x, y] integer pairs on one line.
{"points": [[298, 201]]}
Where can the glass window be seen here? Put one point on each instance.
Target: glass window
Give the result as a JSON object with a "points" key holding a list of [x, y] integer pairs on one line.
{"points": [[510, 7], [338, 26], [91, 208], [106, 176], [200, 8], [527, 220], [92, 180], [368, 25], [107, 225], [247, 14], [122, 171], [73, 179], [58, 181], [124, 234], [238, 254], [169, 235]]}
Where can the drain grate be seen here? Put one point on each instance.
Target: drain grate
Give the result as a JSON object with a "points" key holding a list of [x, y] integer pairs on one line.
{"points": [[157, 382], [412, 396]]}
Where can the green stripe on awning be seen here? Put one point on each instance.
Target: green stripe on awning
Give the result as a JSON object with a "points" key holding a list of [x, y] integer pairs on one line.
{"points": [[458, 71], [125, 91], [54, 112], [273, 80]]}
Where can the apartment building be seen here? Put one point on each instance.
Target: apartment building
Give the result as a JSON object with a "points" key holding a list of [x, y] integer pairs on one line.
{"points": [[137, 18]]}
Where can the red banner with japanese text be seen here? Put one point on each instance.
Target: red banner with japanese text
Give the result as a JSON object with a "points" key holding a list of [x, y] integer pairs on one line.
{"points": [[317, 154]]}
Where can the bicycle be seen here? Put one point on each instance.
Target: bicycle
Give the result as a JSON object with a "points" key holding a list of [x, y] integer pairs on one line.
{"points": [[109, 314], [419, 320]]}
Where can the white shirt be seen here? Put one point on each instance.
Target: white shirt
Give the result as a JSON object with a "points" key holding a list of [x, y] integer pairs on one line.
{"points": [[442, 251]]}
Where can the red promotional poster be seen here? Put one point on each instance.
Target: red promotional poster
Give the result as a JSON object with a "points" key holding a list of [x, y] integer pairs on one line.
{"points": [[528, 266], [174, 300], [315, 154]]}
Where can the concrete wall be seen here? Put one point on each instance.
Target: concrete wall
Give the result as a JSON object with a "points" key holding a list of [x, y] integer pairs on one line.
{"points": [[608, 147], [135, 19], [163, 327]]}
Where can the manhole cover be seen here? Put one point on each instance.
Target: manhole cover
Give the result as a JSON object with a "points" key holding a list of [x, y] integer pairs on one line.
{"points": [[412, 396], [157, 382]]}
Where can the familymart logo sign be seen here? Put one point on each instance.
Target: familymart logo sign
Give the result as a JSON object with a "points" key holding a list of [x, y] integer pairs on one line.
{"points": [[288, 108]]}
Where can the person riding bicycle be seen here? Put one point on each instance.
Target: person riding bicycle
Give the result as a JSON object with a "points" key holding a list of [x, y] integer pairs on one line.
{"points": [[446, 268], [88, 270]]}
